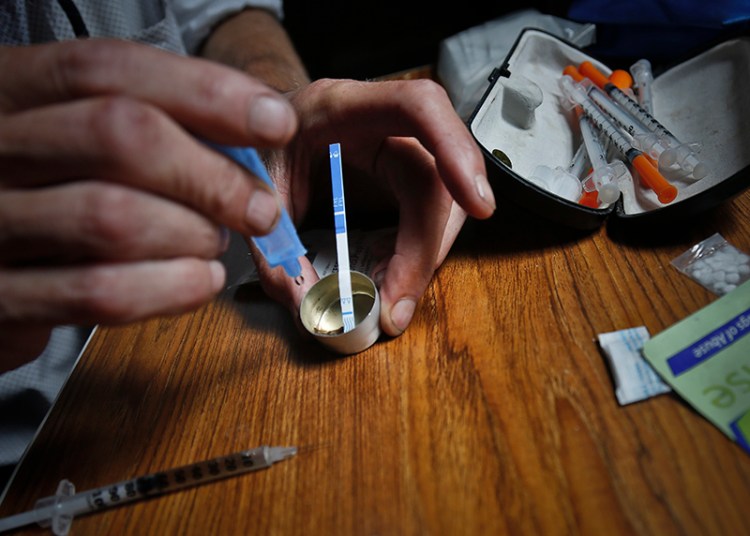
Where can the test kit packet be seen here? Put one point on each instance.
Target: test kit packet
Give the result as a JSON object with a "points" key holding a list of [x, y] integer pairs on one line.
{"points": [[698, 100], [706, 359]]}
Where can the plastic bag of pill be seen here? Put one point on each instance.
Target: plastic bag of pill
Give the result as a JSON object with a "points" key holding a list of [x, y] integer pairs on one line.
{"points": [[716, 264]]}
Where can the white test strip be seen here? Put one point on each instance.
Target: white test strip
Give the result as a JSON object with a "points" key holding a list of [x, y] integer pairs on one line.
{"points": [[342, 243]]}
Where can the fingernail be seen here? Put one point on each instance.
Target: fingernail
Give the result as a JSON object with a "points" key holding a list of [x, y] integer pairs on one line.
{"points": [[378, 278], [223, 239], [218, 275], [402, 312], [484, 191], [262, 211], [270, 117]]}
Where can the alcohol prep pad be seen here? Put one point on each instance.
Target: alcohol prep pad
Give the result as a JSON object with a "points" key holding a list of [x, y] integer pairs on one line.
{"points": [[706, 359], [634, 378]]}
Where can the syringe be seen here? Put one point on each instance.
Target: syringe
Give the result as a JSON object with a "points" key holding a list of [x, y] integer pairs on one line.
{"points": [[576, 94], [282, 246], [671, 151], [58, 511], [643, 77], [606, 177], [591, 196], [645, 140]]}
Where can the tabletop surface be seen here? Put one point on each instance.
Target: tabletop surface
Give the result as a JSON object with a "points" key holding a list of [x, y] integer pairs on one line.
{"points": [[493, 413]]}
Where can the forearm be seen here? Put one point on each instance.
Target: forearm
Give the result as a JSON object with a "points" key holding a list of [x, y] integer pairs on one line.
{"points": [[256, 42]]}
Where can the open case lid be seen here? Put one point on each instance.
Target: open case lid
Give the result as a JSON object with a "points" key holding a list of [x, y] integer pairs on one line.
{"points": [[704, 99]]}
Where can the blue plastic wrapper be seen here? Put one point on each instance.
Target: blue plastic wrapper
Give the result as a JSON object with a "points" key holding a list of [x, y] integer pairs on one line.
{"points": [[282, 246], [661, 30]]}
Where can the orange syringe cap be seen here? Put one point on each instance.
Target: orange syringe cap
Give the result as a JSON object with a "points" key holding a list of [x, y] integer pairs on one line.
{"points": [[589, 199], [621, 79], [588, 70], [665, 192], [572, 72]]}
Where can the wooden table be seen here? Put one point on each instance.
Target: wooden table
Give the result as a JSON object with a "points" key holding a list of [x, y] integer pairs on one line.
{"points": [[493, 414]]}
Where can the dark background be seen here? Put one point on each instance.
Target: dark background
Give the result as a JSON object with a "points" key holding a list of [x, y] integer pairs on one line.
{"points": [[363, 40]]}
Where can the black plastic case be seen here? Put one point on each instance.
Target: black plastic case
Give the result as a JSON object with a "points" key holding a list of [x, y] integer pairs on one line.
{"points": [[704, 99]]}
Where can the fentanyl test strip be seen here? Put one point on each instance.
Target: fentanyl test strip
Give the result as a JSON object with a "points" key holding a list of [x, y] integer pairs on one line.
{"points": [[342, 244], [57, 512]]}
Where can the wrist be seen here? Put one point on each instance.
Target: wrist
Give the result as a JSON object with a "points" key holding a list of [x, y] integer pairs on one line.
{"points": [[255, 42]]}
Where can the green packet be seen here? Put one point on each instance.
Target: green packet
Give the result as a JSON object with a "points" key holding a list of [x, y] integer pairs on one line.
{"points": [[705, 358]]}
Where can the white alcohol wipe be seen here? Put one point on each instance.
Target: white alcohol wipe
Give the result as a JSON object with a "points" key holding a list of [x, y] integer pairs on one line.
{"points": [[634, 378]]}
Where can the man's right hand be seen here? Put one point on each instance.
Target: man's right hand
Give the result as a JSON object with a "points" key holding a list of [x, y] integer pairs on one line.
{"points": [[110, 209]]}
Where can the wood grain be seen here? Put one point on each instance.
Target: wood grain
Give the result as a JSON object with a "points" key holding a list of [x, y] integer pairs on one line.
{"points": [[493, 414]]}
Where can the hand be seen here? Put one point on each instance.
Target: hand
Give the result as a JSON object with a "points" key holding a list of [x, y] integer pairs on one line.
{"points": [[110, 210], [404, 149]]}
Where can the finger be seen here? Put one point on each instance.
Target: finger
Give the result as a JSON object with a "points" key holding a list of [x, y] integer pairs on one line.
{"points": [[108, 293], [279, 286], [214, 101], [126, 141], [414, 108], [95, 220], [453, 226], [424, 213], [385, 247]]}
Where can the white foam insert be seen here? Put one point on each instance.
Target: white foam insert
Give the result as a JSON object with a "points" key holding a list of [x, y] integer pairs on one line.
{"points": [[704, 99]]}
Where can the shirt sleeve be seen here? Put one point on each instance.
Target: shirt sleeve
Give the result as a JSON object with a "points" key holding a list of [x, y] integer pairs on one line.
{"points": [[196, 18]]}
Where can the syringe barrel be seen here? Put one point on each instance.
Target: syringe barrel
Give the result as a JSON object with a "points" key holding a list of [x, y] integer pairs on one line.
{"points": [[578, 95], [578, 163], [594, 148], [625, 119], [606, 125], [178, 478], [645, 118]]}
